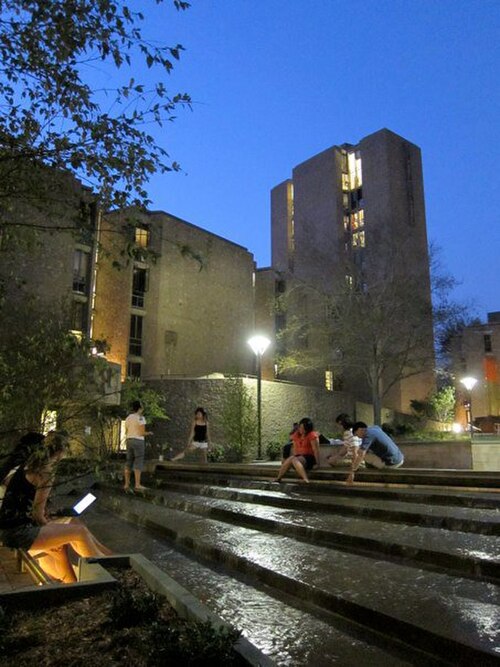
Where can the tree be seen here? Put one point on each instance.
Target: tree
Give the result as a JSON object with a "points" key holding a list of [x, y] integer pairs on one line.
{"points": [[43, 367], [238, 419], [57, 122], [377, 333]]}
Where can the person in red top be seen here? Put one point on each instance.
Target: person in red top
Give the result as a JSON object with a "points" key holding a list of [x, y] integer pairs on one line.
{"points": [[305, 451]]}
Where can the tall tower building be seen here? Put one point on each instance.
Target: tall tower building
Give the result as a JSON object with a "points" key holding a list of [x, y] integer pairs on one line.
{"points": [[355, 214]]}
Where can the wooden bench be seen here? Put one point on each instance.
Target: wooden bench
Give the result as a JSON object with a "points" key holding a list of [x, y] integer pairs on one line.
{"points": [[28, 563]]}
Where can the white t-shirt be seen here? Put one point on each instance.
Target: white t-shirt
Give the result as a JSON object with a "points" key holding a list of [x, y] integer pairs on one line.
{"points": [[351, 441], [134, 426]]}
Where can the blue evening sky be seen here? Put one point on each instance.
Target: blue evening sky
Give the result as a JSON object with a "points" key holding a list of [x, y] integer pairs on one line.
{"points": [[277, 81]]}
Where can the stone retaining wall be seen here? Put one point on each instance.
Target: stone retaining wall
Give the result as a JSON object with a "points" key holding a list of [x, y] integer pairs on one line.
{"points": [[282, 404]]}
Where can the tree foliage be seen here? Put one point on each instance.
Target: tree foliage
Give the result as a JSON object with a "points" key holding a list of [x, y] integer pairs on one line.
{"points": [[56, 120], [376, 334], [239, 420], [44, 367]]}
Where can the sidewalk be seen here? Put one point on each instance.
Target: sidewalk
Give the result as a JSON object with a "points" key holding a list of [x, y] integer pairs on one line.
{"points": [[10, 577]]}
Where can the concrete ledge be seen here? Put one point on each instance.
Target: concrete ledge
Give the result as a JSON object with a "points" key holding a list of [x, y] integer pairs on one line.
{"points": [[95, 578], [190, 608]]}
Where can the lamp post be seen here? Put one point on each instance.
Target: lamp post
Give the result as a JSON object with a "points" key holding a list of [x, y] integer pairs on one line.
{"points": [[259, 345], [469, 383]]}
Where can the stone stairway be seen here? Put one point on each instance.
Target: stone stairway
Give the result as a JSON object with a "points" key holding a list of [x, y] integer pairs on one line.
{"points": [[414, 571]]}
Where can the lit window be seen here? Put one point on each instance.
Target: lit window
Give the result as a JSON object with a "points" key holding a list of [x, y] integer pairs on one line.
{"points": [[345, 182], [349, 280], [329, 380], [358, 240], [81, 261], [346, 223], [142, 235], [345, 200], [361, 218], [354, 166]]}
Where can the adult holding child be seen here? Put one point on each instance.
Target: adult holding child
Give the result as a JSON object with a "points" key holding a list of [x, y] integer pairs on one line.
{"points": [[305, 451]]}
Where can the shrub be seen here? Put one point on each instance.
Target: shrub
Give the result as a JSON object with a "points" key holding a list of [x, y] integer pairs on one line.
{"points": [[273, 450], [194, 644], [129, 608], [216, 453]]}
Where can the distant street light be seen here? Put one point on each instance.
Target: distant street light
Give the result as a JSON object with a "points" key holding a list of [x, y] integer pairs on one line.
{"points": [[469, 383], [259, 345]]}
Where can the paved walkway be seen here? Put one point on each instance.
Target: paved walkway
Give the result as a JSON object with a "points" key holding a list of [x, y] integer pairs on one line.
{"points": [[10, 577]]}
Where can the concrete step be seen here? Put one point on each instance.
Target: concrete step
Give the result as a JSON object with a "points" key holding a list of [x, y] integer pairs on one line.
{"points": [[407, 477], [273, 622], [418, 512], [326, 485], [472, 555], [455, 618]]}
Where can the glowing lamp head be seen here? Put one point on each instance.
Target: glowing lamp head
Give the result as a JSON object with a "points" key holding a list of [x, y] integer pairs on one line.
{"points": [[469, 383], [259, 344]]}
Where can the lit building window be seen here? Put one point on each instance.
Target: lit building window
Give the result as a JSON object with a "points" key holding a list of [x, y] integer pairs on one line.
{"points": [[354, 166], [142, 236], [329, 380], [81, 262], [345, 182], [358, 240], [357, 219], [346, 223], [349, 280]]}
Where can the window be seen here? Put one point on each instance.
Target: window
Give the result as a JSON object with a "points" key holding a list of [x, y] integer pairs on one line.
{"points": [[487, 343], [81, 263], [329, 380], [346, 223], [345, 182], [280, 287], [79, 316], [139, 286], [354, 166], [134, 369], [142, 236], [135, 342], [358, 240]]}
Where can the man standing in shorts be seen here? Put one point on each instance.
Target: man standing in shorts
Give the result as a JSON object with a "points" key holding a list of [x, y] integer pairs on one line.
{"points": [[135, 431]]}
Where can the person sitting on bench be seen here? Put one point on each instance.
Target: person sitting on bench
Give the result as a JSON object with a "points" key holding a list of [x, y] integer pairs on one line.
{"points": [[23, 520]]}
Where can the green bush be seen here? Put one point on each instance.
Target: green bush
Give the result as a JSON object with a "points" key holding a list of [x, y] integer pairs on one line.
{"points": [[273, 450], [129, 608], [216, 453], [194, 644]]}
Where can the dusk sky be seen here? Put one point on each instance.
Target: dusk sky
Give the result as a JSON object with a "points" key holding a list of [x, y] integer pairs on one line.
{"points": [[276, 81]]}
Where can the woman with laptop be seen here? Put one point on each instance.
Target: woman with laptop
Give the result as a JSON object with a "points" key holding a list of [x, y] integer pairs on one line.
{"points": [[23, 520]]}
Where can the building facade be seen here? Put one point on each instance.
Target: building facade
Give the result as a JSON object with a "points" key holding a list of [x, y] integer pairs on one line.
{"points": [[352, 209], [475, 352], [172, 299]]}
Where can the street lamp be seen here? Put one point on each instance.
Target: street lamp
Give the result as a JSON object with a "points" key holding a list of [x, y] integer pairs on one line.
{"points": [[259, 345], [469, 383]]}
